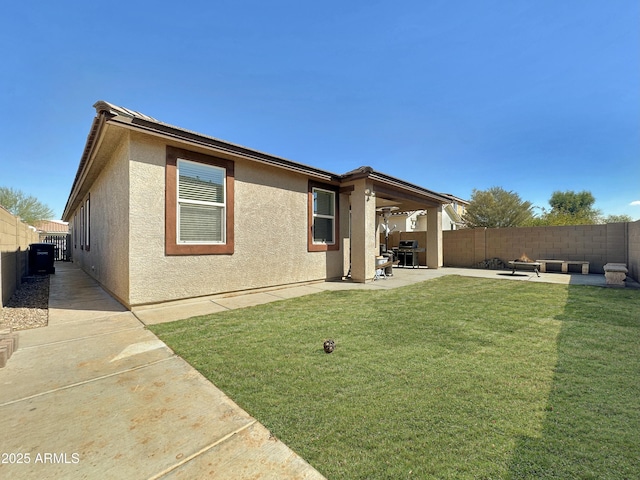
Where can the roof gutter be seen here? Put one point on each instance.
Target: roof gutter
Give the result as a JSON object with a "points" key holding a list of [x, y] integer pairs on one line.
{"points": [[109, 113], [151, 126], [93, 140], [393, 182], [396, 182]]}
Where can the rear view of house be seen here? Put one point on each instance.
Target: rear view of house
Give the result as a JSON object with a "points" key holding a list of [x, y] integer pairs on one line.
{"points": [[159, 213]]}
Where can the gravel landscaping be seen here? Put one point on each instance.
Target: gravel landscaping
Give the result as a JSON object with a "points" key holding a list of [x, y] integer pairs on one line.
{"points": [[29, 305]]}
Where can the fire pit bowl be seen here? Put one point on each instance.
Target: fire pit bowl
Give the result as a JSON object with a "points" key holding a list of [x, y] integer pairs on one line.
{"points": [[524, 261]]}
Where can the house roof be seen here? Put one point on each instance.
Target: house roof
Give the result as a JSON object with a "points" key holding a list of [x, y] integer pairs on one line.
{"points": [[453, 214], [453, 198], [110, 114], [392, 184], [139, 121], [52, 226]]}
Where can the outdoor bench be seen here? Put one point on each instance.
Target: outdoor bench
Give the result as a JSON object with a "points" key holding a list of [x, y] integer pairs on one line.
{"points": [[565, 265], [615, 274]]}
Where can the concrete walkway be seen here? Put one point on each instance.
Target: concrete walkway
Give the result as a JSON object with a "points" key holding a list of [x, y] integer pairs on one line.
{"points": [[171, 311], [96, 395]]}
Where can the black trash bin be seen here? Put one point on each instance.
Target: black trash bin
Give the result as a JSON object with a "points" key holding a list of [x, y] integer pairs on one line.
{"points": [[41, 258]]}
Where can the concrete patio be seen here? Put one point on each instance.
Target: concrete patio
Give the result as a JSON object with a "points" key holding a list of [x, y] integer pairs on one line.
{"points": [[171, 311]]}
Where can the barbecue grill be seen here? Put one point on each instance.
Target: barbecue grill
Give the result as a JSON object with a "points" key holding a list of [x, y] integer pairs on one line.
{"points": [[407, 253]]}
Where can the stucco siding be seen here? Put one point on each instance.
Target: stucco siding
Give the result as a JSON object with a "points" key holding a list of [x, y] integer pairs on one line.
{"points": [[270, 234], [107, 257]]}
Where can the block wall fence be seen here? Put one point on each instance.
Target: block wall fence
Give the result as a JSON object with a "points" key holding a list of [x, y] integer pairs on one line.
{"points": [[634, 250], [597, 244], [15, 238]]}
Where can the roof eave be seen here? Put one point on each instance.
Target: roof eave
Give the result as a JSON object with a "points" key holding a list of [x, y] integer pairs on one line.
{"points": [[388, 180], [153, 127], [112, 114], [97, 127]]}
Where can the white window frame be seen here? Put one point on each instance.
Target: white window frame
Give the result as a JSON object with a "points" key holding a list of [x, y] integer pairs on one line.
{"points": [[318, 215], [222, 205]]}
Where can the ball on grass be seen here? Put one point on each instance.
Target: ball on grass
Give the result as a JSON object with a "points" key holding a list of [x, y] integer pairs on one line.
{"points": [[329, 346]]}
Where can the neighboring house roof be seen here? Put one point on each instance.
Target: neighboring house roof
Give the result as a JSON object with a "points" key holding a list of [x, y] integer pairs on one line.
{"points": [[453, 215], [107, 113], [456, 199], [52, 226]]}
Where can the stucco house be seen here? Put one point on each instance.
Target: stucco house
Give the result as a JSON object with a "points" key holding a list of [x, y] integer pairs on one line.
{"points": [[159, 213]]}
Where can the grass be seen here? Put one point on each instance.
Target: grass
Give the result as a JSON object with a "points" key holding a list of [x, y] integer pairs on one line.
{"points": [[452, 378]]}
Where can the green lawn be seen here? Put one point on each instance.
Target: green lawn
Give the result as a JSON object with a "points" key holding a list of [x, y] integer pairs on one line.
{"points": [[451, 378]]}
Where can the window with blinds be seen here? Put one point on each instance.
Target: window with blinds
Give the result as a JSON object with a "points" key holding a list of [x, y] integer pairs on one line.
{"points": [[201, 215], [324, 216]]}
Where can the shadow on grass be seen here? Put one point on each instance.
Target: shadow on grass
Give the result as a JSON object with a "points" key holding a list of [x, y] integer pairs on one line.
{"points": [[592, 416]]}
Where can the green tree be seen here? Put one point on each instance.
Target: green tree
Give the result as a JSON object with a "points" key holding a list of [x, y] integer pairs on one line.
{"points": [[27, 207], [574, 206], [552, 218], [495, 208], [569, 208], [617, 219]]}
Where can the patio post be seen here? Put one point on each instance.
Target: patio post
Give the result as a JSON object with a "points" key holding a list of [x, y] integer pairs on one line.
{"points": [[434, 237], [363, 231]]}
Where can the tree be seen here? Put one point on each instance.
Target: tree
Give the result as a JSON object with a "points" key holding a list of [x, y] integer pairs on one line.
{"points": [[569, 208], [577, 206], [496, 208], [553, 218], [27, 207], [618, 219]]}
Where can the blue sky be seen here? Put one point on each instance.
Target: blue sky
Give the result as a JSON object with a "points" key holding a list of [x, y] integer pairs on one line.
{"points": [[531, 96]]}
